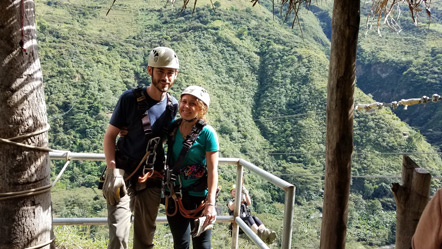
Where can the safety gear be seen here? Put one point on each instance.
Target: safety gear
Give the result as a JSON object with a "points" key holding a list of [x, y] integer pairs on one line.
{"points": [[199, 93], [163, 57], [244, 190], [114, 186], [173, 170], [140, 94], [199, 226], [232, 188], [149, 159]]}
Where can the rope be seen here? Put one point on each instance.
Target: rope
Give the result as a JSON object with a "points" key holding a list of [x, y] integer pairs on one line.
{"points": [[405, 102], [41, 245], [45, 129], [358, 153], [7, 141], [10, 140], [33, 191], [352, 176], [39, 190], [63, 169]]}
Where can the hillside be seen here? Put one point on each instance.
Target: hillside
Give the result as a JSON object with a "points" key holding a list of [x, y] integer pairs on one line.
{"points": [[400, 65], [268, 88], [407, 65]]}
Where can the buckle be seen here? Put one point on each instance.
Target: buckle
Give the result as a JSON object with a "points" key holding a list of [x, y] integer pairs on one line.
{"points": [[170, 177], [148, 171], [152, 145]]}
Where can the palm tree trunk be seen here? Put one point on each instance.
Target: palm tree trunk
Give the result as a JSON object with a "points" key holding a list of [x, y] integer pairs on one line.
{"points": [[25, 221]]}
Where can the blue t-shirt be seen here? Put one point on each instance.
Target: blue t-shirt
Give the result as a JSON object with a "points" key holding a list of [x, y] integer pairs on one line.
{"points": [[126, 115], [207, 141]]}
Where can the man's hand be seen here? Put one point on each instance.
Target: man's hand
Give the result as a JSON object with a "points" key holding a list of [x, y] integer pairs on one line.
{"points": [[114, 186], [123, 132]]}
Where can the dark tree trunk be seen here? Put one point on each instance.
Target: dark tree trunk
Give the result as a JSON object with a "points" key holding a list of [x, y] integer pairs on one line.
{"points": [[25, 221], [339, 137]]}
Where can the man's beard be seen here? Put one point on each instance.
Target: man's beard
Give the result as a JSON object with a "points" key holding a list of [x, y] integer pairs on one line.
{"points": [[158, 86]]}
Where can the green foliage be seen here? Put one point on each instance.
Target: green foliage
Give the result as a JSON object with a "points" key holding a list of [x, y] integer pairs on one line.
{"points": [[71, 203], [369, 224], [80, 237]]}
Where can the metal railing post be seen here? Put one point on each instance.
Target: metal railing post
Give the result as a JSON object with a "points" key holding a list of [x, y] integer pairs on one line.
{"points": [[236, 208], [288, 203], [288, 217], [252, 235]]}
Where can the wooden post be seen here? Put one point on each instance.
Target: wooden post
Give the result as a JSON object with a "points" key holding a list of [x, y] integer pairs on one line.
{"points": [[411, 198], [339, 136]]}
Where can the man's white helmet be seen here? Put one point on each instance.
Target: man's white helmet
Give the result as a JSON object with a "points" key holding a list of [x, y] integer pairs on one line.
{"points": [[163, 57], [199, 93]]}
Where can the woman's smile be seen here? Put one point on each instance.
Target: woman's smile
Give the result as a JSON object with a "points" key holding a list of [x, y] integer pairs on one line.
{"points": [[188, 107]]}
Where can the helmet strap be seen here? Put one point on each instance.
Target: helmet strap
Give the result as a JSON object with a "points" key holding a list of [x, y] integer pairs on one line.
{"points": [[190, 120]]}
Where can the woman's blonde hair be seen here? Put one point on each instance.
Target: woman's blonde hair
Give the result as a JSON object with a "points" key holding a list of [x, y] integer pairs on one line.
{"points": [[201, 113]]}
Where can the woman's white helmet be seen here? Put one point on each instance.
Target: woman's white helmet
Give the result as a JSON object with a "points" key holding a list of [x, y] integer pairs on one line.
{"points": [[163, 57], [199, 93]]}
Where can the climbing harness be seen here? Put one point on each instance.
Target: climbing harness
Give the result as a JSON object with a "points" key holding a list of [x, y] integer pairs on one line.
{"points": [[149, 158], [151, 154], [172, 173], [151, 149]]}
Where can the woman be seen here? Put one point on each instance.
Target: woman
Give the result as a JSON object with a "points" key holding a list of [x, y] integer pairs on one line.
{"points": [[252, 221], [192, 174]]}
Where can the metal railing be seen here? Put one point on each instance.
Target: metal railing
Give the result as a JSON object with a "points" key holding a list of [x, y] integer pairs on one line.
{"points": [[235, 219]]}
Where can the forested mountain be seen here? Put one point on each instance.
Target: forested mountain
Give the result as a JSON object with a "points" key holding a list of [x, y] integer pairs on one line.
{"points": [[406, 65], [267, 83]]}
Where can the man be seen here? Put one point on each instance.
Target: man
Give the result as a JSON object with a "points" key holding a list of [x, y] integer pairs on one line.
{"points": [[136, 163]]}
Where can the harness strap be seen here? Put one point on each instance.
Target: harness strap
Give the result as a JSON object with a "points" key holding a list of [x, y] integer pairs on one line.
{"points": [[190, 214], [172, 172], [150, 174], [139, 93], [150, 156], [143, 107], [187, 143], [138, 166]]}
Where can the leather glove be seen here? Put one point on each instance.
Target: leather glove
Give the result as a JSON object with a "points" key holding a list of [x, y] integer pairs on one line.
{"points": [[114, 186], [200, 226], [244, 190]]}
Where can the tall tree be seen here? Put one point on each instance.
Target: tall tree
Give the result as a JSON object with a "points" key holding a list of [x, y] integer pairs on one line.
{"points": [[25, 201], [339, 136], [340, 90]]}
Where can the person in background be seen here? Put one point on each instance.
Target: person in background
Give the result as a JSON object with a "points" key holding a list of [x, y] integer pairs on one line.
{"points": [[135, 163], [192, 176], [428, 234], [252, 221]]}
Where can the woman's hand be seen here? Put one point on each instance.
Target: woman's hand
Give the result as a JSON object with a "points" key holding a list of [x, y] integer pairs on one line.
{"points": [[210, 213], [212, 183]]}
